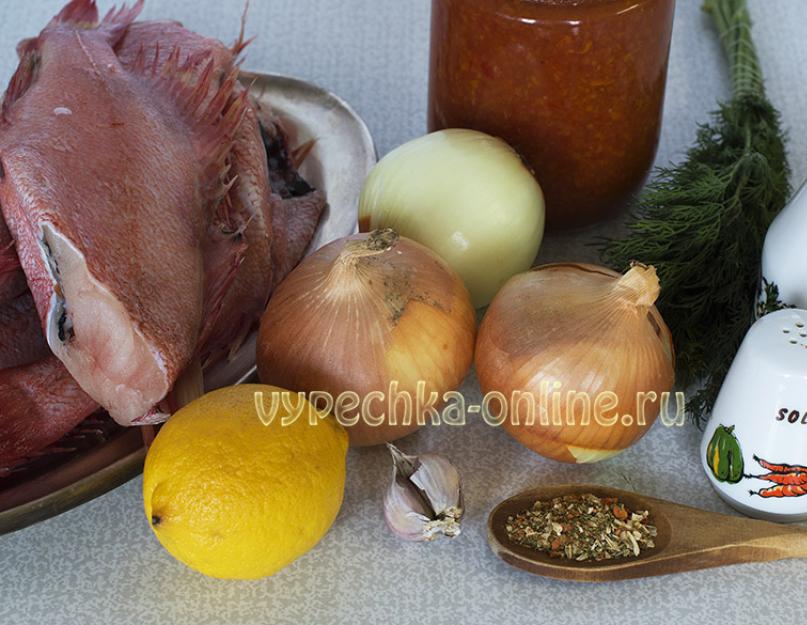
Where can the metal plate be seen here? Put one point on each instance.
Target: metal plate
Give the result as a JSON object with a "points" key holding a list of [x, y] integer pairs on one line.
{"points": [[342, 156]]}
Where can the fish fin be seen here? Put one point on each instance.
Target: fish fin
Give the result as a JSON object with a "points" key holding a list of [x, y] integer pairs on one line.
{"points": [[302, 152], [83, 14], [78, 13], [213, 108], [158, 414], [240, 338], [148, 434], [226, 347], [240, 43], [117, 21], [217, 127], [225, 255]]}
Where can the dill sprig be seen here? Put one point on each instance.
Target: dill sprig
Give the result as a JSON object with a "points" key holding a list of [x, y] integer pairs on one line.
{"points": [[702, 223], [769, 300]]}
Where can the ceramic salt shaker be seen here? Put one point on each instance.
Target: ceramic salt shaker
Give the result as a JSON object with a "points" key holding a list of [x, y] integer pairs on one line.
{"points": [[783, 253], [754, 448]]}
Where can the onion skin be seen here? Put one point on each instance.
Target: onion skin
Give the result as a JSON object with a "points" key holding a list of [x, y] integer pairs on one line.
{"points": [[570, 323], [397, 315]]}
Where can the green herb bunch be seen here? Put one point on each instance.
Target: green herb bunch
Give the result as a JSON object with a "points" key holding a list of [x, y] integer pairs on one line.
{"points": [[702, 223]]}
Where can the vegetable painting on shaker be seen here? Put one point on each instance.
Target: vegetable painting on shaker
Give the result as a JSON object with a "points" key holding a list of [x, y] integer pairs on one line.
{"points": [[724, 456], [789, 480]]}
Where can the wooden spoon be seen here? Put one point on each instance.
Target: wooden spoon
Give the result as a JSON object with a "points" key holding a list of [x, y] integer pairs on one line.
{"points": [[688, 539]]}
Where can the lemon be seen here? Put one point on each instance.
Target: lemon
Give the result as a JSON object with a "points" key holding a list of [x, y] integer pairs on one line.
{"points": [[233, 498]]}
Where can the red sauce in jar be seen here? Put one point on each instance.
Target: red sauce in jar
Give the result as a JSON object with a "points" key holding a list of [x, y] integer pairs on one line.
{"points": [[576, 86]]}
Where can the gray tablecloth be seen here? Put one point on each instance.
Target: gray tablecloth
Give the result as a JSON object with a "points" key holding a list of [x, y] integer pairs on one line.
{"points": [[101, 564]]}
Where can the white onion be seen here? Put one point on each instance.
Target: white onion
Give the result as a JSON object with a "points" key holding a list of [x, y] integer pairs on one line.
{"points": [[465, 195]]}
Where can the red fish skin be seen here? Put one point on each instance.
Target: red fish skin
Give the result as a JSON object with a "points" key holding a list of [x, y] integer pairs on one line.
{"points": [[276, 231], [121, 181], [237, 257], [295, 213], [278, 241], [295, 222], [249, 200], [12, 279], [39, 404], [21, 339], [167, 35]]}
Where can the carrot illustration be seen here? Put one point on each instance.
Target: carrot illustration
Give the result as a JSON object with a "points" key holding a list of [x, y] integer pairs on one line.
{"points": [[780, 468], [795, 479], [781, 490], [790, 479]]}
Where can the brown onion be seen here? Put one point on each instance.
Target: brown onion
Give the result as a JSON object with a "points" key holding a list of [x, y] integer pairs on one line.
{"points": [[595, 333], [364, 312]]}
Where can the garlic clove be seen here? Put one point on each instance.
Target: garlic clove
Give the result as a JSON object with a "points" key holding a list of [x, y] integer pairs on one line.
{"points": [[405, 512], [424, 499], [440, 481]]}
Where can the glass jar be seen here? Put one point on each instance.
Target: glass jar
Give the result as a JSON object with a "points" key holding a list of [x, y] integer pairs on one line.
{"points": [[576, 86]]}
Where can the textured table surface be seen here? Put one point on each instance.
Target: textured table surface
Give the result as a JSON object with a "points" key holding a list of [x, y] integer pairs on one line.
{"points": [[100, 563]]}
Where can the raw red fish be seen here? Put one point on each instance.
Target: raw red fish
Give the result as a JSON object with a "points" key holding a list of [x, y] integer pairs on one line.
{"points": [[39, 403], [110, 177], [251, 199], [238, 250], [12, 279], [142, 221], [297, 207], [21, 338], [274, 225]]}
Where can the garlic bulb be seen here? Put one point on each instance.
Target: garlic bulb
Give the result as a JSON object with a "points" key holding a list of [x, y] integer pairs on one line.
{"points": [[424, 499], [580, 359]]}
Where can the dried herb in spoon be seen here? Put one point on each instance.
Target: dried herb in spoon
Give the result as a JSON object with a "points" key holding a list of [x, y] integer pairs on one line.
{"points": [[582, 528], [702, 224]]}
